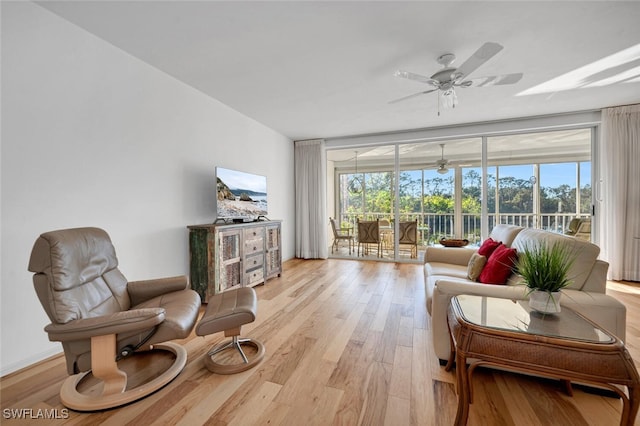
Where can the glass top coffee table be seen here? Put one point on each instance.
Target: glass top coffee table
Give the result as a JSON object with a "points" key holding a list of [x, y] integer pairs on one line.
{"points": [[487, 331]]}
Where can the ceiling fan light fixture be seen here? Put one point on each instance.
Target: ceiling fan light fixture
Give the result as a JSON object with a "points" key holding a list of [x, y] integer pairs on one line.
{"points": [[355, 186], [449, 98], [442, 163]]}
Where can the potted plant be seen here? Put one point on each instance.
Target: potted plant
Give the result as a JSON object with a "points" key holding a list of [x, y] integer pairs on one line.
{"points": [[545, 270]]}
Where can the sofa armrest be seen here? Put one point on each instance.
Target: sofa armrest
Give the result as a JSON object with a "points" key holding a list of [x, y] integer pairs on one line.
{"points": [[604, 310], [454, 288], [597, 280], [454, 255], [443, 292], [119, 322], [141, 291]]}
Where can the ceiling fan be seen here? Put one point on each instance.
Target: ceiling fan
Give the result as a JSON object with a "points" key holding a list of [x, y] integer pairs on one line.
{"points": [[442, 163], [448, 78]]}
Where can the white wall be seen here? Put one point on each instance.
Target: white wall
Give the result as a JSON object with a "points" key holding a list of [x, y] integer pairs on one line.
{"points": [[94, 137]]}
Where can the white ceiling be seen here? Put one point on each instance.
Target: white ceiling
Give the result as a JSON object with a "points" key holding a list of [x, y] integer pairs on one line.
{"points": [[325, 69]]}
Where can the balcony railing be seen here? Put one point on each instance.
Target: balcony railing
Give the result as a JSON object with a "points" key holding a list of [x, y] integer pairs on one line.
{"points": [[434, 226]]}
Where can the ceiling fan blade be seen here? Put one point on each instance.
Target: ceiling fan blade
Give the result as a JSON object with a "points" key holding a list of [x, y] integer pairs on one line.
{"points": [[482, 55], [416, 77], [494, 80], [412, 96]]}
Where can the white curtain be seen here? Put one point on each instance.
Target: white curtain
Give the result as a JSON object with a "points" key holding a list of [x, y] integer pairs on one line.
{"points": [[311, 200], [618, 195]]}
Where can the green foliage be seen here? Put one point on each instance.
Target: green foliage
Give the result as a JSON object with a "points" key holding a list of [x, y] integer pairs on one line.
{"points": [[438, 203], [516, 195], [545, 267], [471, 205]]}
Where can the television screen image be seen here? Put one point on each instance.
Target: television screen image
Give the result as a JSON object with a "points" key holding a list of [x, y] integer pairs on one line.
{"points": [[240, 195]]}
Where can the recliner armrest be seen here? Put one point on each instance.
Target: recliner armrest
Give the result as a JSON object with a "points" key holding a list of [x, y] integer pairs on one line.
{"points": [[118, 322], [141, 291]]}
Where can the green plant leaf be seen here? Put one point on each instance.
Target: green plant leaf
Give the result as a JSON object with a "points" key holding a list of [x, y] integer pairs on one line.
{"points": [[545, 266]]}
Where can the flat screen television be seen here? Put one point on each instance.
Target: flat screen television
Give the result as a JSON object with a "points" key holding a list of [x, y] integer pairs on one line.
{"points": [[240, 196]]}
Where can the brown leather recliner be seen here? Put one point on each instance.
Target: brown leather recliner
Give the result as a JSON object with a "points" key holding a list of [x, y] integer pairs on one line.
{"points": [[100, 318]]}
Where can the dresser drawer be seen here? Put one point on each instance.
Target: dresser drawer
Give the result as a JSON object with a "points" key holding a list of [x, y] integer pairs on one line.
{"points": [[255, 245], [254, 277], [253, 262], [254, 233]]}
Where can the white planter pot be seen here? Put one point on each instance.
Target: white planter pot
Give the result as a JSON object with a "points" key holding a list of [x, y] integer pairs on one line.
{"points": [[545, 302]]}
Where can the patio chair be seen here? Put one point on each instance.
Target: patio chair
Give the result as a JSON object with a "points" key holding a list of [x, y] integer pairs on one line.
{"points": [[580, 227], [341, 234], [409, 236], [368, 233]]}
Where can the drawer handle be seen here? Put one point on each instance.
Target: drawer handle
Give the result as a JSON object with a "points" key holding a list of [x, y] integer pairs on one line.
{"points": [[255, 248]]}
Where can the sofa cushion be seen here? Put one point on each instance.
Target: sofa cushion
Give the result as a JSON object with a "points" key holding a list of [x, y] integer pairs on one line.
{"points": [[499, 266], [585, 252], [488, 247], [505, 233], [476, 263]]}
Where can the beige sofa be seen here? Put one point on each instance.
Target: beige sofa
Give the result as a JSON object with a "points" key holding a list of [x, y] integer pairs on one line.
{"points": [[445, 273]]}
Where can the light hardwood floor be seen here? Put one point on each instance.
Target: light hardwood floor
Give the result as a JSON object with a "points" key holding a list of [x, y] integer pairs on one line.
{"points": [[347, 342]]}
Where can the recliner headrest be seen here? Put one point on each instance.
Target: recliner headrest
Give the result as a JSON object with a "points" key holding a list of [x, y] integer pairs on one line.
{"points": [[71, 257]]}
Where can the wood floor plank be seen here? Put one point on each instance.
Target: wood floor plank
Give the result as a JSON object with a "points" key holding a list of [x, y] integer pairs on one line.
{"points": [[401, 373], [487, 396], [250, 412], [445, 399], [347, 343], [341, 338], [398, 412], [519, 410], [422, 407], [405, 331], [376, 394], [390, 334], [349, 377], [316, 411], [275, 414]]}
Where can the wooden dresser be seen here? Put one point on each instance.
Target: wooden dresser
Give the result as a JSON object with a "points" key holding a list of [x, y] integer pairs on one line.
{"points": [[226, 256]]}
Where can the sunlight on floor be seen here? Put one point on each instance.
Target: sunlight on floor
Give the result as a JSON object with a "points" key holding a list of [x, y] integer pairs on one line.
{"points": [[628, 287], [386, 254]]}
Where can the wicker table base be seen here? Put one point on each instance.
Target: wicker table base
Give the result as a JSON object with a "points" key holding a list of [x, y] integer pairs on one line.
{"points": [[545, 349]]}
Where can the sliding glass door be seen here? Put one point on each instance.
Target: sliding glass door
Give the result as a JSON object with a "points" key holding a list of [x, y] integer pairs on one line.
{"points": [[543, 180], [425, 191], [365, 192]]}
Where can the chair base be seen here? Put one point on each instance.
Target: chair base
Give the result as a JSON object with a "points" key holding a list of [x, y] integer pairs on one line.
{"points": [[235, 343], [337, 247], [94, 401]]}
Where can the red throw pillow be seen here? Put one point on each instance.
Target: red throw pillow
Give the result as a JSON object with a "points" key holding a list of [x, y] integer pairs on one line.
{"points": [[488, 247], [499, 266]]}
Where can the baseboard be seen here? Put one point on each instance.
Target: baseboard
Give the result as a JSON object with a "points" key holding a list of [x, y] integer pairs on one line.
{"points": [[13, 367]]}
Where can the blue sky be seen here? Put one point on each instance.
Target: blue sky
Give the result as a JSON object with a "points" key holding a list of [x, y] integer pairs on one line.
{"points": [[235, 179], [551, 175]]}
